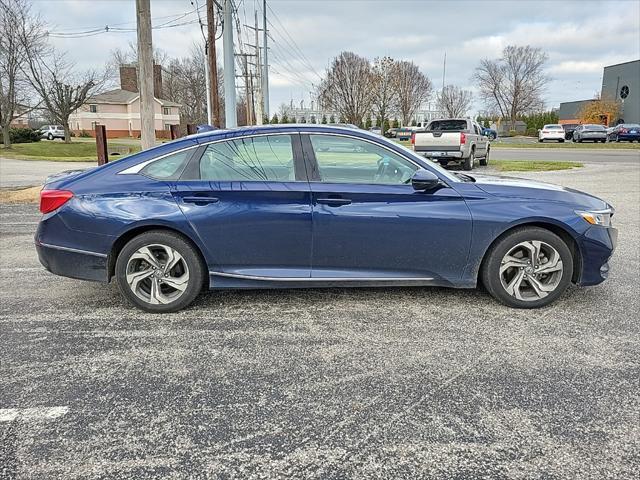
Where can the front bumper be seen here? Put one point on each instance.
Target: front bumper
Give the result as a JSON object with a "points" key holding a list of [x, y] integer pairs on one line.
{"points": [[73, 263], [597, 246]]}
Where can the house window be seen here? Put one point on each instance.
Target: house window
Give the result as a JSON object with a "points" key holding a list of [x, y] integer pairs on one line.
{"points": [[93, 125], [167, 126], [93, 108], [166, 111]]}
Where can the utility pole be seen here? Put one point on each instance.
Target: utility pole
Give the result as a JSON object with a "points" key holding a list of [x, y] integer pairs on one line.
{"points": [[229, 68], [265, 66], [258, 110], [212, 62], [145, 74], [247, 96]]}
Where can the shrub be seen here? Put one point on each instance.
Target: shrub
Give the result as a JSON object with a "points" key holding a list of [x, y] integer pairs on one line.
{"points": [[84, 134], [531, 132], [23, 135], [512, 133]]}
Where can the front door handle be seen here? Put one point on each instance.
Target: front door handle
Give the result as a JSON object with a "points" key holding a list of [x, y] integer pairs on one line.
{"points": [[333, 202], [200, 200]]}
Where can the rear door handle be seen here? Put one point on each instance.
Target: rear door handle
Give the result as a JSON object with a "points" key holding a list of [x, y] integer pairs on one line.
{"points": [[200, 200], [333, 202]]}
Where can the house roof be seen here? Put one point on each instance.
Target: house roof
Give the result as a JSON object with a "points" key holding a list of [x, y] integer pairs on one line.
{"points": [[123, 97]]}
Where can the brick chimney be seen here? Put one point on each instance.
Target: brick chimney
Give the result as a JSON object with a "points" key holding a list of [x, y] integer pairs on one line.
{"points": [[129, 79]]}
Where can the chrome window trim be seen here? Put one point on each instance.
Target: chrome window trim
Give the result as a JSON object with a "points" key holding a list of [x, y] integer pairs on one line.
{"points": [[135, 169], [320, 279]]}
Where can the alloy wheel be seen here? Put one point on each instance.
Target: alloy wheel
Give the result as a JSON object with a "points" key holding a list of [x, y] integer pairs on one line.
{"points": [[157, 274], [531, 270]]}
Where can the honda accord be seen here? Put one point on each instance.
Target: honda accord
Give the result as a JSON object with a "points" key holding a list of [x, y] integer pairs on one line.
{"points": [[290, 206]]}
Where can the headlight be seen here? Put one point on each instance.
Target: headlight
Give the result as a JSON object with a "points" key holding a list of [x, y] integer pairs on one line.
{"points": [[597, 217]]}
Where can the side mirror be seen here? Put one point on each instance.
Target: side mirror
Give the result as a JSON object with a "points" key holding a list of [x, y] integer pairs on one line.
{"points": [[424, 180]]}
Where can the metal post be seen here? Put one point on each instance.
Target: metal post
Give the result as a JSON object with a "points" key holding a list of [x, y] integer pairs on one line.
{"points": [[101, 144], [175, 131], [258, 105], [145, 74], [265, 65], [229, 67]]}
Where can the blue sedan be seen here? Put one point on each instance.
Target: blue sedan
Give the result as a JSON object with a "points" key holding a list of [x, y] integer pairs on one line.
{"points": [[289, 206]]}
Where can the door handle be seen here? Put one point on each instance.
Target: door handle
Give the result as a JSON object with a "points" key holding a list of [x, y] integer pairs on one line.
{"points": [[200, 200], [333, 202]]}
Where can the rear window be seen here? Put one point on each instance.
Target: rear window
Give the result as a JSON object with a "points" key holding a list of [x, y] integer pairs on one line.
{"points": [[594, 127], [552, 127], [447, 126]]}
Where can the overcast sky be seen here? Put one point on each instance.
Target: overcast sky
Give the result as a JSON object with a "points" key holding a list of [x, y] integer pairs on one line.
{"points": [[579, 37]]}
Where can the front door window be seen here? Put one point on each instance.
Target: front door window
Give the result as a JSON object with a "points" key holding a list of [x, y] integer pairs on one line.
{"points": [[350, 160]]}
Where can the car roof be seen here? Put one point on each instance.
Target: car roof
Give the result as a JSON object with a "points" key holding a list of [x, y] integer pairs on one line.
{"points": [[276, 128]]}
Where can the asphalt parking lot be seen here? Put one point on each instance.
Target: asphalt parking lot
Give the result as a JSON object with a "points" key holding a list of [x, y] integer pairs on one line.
{"points": [[361, 383]]}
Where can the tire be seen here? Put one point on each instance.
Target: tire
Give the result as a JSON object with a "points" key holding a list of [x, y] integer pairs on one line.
{"points": [[50, 137], [550, 285], [188, 270], [485, 161], [617, 139], [602, 141], [561, 140], [540, 140], [469, 161]]}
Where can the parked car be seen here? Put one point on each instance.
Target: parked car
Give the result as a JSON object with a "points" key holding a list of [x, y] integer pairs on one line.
{"points": [[625, 132], [51, 132], [376, 130], [568, 130], [551, 132], [266, 207], [391, 133], [453, 140], [490, 133], [588, 132]]}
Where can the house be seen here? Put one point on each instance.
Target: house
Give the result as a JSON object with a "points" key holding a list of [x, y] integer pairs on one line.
{"points": [[119, 110]]}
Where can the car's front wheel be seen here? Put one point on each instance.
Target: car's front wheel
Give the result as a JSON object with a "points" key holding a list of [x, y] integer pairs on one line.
{"points": [[529, 267], [159, 272]]}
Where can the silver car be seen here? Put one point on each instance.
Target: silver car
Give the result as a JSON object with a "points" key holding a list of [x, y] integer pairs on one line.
{"points": [[51, 131], [591, 133]]}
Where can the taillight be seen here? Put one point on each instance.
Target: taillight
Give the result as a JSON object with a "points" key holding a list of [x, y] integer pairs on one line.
{"points": [[463, 138], [623, 130], [413, 138], [53, 199]]}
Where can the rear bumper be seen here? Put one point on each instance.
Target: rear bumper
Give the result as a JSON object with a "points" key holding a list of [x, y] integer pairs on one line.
{"points": [[73, 263], [441, 155], [597, 245]]}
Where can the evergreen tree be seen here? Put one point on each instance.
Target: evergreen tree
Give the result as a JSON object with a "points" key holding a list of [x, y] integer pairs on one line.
{"points": [[413, 122], [324, 119], [332, 119], [275, 119], [284, 118], [368, 123], [303, 120], [396, 123]]}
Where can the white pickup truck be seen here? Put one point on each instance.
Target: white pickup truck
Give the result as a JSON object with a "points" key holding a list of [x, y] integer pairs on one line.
{"points": [[458, 140]]}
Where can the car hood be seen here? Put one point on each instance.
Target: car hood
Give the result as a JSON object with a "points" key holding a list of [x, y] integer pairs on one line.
{"points": [[530, 189]]}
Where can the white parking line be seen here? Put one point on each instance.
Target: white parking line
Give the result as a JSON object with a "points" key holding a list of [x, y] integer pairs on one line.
{"points": [[36, 413]]}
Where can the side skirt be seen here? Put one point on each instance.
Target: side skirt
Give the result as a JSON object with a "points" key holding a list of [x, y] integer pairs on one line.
{"points": [[220, 280]]}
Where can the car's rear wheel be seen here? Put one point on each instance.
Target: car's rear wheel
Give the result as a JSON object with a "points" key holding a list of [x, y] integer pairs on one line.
{"points": [[50, 137], [530, 267], [469, 161], [159, 272], [484, 161]]}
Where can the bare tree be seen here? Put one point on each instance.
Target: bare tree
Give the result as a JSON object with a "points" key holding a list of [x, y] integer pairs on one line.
{"points": [[62, 90], [413, 87], [346, 88], [454, 101], [15, 19], [385, 95], [513, 84], [184, 82]]}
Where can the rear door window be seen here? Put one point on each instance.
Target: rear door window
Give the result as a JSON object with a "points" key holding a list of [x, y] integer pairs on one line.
{"points": [[260, 158]]}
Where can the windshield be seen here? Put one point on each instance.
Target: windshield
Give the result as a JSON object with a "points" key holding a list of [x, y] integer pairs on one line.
{"points": [[447, 125], [411, 154]]}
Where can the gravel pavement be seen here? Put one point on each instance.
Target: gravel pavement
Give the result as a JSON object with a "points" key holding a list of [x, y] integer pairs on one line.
{"points": [[347, 383]]}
